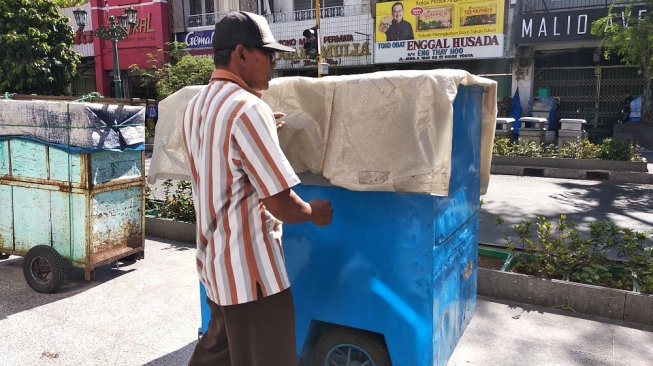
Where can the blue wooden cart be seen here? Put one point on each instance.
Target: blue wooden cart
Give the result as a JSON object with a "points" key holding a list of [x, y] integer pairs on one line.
{"points": [[60, 204], [393, 280]]}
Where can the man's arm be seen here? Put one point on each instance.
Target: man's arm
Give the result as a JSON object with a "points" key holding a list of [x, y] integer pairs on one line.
{"points": [[288, 207]]}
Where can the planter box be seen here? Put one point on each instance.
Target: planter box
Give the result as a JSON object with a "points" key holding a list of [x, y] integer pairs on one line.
{"points": [[170, 229], [587, 299], [616, 171], [561, 163]]}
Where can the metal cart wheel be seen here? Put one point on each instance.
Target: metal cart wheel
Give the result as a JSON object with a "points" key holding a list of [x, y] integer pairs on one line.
{"points": [[344, 347], [44, 269]]}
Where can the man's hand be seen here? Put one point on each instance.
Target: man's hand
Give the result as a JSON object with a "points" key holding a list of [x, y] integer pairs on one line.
{"points": [[322, 212], [278, 116], [288, 207]]}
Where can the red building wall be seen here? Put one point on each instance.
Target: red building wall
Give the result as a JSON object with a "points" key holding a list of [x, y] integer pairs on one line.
{"points": [[150, 34]]}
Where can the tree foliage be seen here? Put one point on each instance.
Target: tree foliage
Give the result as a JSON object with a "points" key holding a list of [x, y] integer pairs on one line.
{"points": [[181, 70], [69, 3], [35, 41], [629, 35]]}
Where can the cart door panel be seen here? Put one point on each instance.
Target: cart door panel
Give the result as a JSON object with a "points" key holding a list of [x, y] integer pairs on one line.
{"points": [[64, 166], [6, 218], [4, 158], [117, 220], [68, 234], [28, 160], [32, 222]]}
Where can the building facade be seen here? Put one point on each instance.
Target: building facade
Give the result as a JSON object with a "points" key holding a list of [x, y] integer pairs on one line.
{"points": [[542, 46], [148, 36], [556, 54]]}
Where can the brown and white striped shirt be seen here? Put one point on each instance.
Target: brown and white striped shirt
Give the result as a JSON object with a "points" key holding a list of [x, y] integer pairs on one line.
{"points": [[235, 160]]}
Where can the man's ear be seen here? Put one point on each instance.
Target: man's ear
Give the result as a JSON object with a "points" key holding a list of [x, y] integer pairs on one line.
{"points": [[239, 52]]}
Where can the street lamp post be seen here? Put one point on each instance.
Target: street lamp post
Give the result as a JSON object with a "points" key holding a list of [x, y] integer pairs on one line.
{"points": [[117, 30]]}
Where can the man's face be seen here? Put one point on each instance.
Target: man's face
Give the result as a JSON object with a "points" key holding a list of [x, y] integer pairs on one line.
{"points": [[397, 13], [258, 68]]}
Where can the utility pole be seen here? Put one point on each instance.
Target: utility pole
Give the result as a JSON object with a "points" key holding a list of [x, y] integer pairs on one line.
{"points": [[319, 36]]}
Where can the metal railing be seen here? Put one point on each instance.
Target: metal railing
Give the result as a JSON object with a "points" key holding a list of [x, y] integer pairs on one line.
{"points": [[201, 20], [209, 19]]}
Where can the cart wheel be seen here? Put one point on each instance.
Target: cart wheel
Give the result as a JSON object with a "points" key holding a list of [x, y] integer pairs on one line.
{"points": [[44, 269], [344, 347]]}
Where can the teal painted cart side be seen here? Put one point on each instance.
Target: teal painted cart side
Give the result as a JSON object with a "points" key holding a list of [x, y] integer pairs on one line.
{"points": [[87, 206]]}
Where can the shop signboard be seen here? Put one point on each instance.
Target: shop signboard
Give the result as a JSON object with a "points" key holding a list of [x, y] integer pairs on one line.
{"points": [[197, 40], [346, 41], [565, 25], [438, 30]]}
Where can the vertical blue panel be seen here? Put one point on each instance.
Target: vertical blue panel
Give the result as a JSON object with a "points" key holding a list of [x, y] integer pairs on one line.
{"points": [[455, 261], [113, 165], [205, 310], [28, 159], [4, 158], [6, 219], [68, 230], [116, 219], [64, 166], [454, 296], [32, 225]]}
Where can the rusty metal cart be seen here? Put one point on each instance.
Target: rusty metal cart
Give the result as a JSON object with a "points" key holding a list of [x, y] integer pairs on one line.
{"points": [[63, 204]]}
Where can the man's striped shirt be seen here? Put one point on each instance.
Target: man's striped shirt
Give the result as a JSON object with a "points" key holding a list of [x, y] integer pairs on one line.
{"points": [[235, 161]]}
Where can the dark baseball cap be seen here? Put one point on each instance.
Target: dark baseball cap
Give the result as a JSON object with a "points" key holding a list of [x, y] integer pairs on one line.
{"points": [[248, 29]]}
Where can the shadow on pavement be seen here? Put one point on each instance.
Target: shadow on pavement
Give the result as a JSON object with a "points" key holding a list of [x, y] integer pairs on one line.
{"points": [[175, 245], [16, 296], [523, 308], [623, 199], [628, 205], [176, 358]]}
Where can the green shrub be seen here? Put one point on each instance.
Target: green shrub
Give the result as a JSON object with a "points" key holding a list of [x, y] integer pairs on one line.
{"points": [[177, 206], [609, 149], [502, 147], [528, 148], [550, 251], [621, 150], [580, 149], [558, 251]]}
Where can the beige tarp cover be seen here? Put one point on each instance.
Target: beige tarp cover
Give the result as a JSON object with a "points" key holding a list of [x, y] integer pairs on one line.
{"points": [[384, 131]]}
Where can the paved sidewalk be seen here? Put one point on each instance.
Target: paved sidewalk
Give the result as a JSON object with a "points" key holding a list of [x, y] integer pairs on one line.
{"points": [[512, 334], [147, 313]]}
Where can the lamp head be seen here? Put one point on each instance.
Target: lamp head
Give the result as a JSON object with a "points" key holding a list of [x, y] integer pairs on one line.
{"points": [[122, 20], [80, 17], [132, 20]]}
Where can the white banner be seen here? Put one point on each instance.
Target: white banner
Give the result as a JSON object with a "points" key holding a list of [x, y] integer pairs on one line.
{"points": [[441, 49]]}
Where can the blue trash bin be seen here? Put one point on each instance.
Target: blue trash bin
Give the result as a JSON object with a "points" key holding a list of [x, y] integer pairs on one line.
{"points": [[394, 277]]}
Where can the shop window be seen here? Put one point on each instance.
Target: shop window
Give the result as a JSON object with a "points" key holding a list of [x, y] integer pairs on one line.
{"points": [[141, 89], [198, 7], [201, 13]]}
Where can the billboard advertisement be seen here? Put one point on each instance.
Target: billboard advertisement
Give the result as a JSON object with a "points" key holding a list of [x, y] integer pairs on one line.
{"points": [[438, 30]]}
